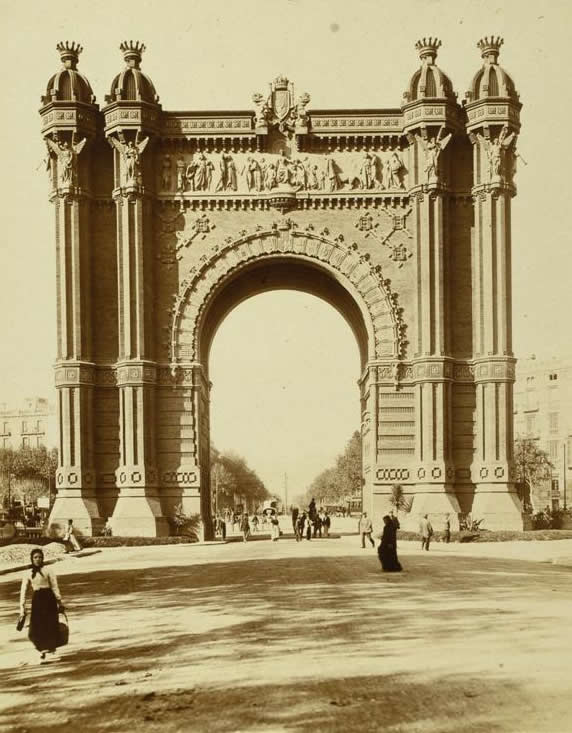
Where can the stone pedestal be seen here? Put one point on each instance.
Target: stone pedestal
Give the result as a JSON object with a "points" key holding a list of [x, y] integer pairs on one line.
{"points": [[138, 514], [498, 506], [79, 506]]}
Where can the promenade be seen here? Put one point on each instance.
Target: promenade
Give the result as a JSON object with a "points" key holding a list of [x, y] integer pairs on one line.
{"points": [[305, 636]]}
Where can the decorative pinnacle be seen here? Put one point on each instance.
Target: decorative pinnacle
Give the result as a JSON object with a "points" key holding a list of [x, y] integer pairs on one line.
{"points": [[69, 53], [490, 48], [132, 52], [427, 48]]}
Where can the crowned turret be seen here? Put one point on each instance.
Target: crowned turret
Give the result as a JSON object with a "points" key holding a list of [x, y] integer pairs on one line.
{"points": [[68, 85], [492, 98], [429, 81], [132, 84]]}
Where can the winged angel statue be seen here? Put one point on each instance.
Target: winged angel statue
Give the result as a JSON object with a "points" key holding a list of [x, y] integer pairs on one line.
{"points": [[131, 156], [432, 149], [66, 156], [496, 152]]}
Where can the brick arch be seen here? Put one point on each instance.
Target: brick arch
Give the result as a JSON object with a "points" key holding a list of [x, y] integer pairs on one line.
{"points": [[351, 269]]}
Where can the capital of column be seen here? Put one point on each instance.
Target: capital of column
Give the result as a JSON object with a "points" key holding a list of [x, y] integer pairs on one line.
{"points": [[136, 373], [494, 369], [74, 373]]}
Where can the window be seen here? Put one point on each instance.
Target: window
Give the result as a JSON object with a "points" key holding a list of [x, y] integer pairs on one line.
{"points": [[553, 377], [25, 442], [39, 426], [5, 442], [553, 448], [24, 426], [555, 485], [6, 428], [530, 383], [553, 422], [38, 442], [530, 424]]}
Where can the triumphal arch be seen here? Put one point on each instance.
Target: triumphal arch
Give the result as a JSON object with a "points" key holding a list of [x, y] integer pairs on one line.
{"points": [[399, 217]]}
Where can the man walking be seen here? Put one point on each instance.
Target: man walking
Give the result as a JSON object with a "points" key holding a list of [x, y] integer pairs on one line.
{"points": [[365, 529], [426, 532], [447, 536]]}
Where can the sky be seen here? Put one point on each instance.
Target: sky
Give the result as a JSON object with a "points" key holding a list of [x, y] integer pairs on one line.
{"points": [[203, 55]]}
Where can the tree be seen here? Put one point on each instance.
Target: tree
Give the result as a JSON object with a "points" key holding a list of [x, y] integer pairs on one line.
{"points": [[342, 480], [398, 500], [533, 467], [29, 472], [233, 481]]}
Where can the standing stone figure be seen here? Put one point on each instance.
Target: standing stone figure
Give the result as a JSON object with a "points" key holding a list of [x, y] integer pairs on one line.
{"points": [[432, 149], [131, 155], [66, 156], [496, 153], [166, 172]]}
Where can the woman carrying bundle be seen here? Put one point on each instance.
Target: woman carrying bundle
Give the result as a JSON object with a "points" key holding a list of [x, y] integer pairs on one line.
{"points": [[46, 605]]}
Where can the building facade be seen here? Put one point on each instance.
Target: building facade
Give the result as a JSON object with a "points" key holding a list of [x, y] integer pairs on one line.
{"points": [[29, 425], [165, 221], [543, 412]]}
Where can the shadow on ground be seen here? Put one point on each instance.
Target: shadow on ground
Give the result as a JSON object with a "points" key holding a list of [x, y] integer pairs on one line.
{"points": [[452, 644]]}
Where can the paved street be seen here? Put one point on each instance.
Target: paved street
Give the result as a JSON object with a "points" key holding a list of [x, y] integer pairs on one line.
{"points": [[284, 636]]}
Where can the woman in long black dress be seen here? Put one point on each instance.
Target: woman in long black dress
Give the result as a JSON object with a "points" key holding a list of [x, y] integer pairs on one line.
{"points": [[387, 549], [46, 604]]}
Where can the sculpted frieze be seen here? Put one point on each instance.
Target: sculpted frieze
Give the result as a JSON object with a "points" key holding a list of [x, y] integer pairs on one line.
{"points": [[255, 173]]}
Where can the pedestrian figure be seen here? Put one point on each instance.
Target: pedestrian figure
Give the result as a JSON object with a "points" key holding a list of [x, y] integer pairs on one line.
{"points": [[255, 523], [46, 604], [274, 528], [426, 532], [365, 528], [317, 526], [309, 528], [447, 536], [299, 530], [107, 530], [220, 526], [70, 539], [387, 550], [245, 527], [295, 512], [326, 522]]}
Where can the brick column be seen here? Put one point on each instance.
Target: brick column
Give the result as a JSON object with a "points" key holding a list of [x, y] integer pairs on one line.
{"points": [[432, 367]]}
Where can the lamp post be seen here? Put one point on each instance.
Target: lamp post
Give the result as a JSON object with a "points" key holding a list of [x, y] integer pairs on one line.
{"points": [[564, 467]]}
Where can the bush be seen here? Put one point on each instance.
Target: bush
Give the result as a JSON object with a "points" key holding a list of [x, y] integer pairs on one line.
{"points": [[134, 541], [185, 524]]}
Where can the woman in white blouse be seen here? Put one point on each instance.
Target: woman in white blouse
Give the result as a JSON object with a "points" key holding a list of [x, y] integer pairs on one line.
{"points": [[46, 604]]}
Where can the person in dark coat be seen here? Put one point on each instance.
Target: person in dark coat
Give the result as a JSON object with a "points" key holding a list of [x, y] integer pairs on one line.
{"points": [[387, 550], [295, 512]]}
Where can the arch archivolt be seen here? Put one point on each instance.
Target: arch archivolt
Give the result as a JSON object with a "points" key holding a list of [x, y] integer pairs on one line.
{"points": [[353, 269]]}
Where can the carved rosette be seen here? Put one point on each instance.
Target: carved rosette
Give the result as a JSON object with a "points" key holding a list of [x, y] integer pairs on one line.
{"points": [[374, 291]]}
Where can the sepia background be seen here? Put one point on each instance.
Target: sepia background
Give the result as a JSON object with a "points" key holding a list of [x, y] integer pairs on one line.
{"points": [[284, 365]]}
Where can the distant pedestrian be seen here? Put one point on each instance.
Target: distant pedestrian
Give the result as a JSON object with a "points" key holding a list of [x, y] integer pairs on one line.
{"points": [[299, 530], [70, 539], [387, 550], [447, 533], [295, 513], [365, 528], [255, 522], [220, 526], [245, 527], [274, 528], [317, 526], [327, 524], [46, 604], [308, 528], [426, 532]]}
